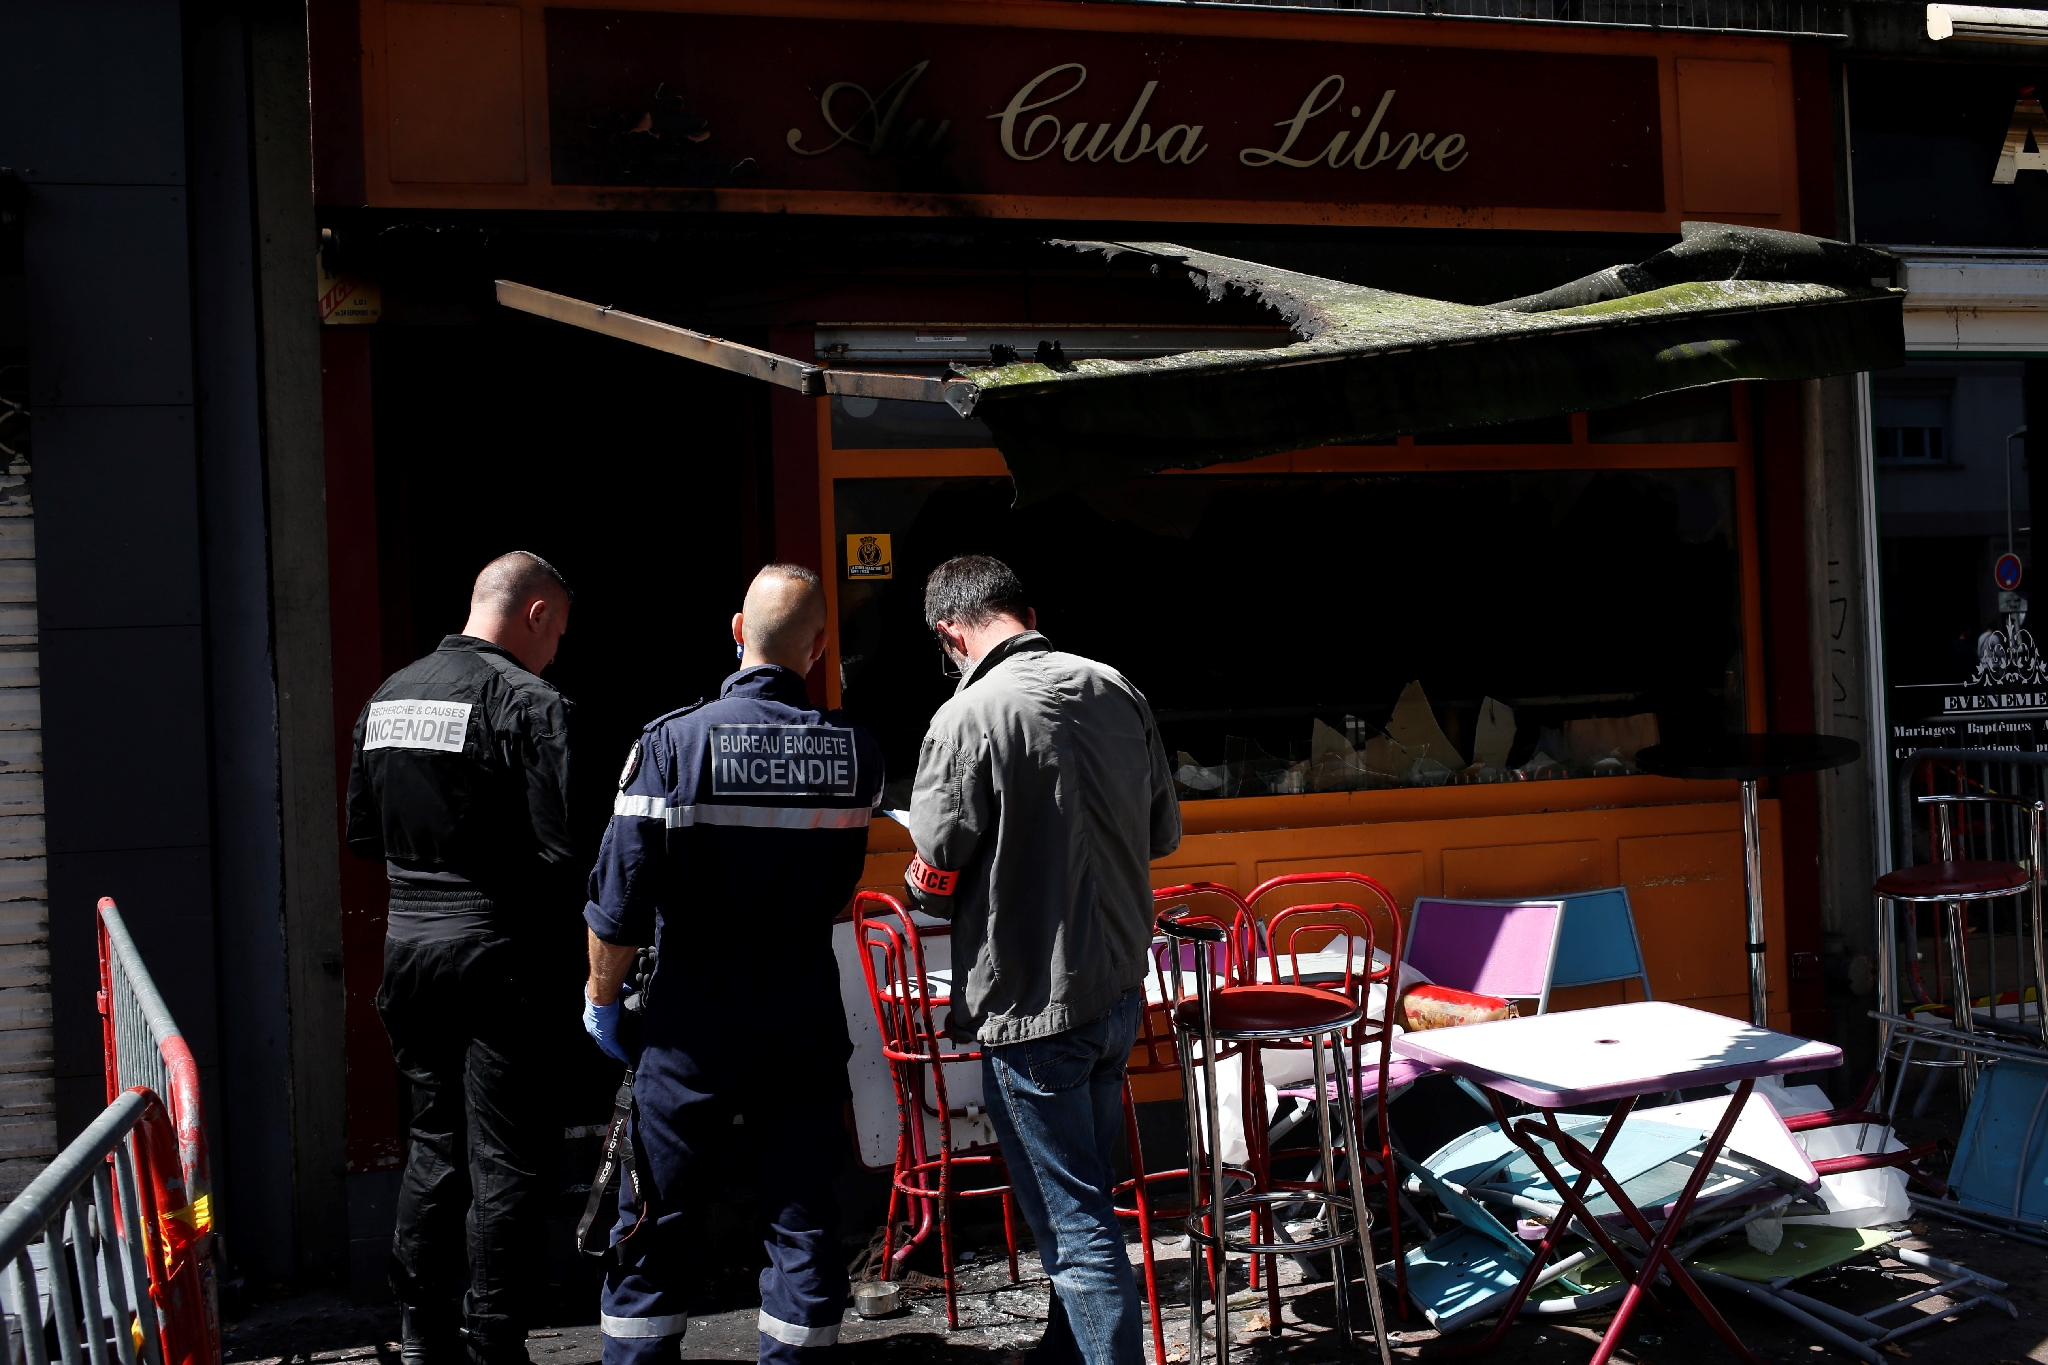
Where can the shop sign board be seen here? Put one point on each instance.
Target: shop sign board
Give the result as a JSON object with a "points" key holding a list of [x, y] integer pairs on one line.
{"points": [[2002, 704], [1948, 153], [640, 99]]}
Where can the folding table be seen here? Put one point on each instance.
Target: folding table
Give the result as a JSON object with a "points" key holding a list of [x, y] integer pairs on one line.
{"points": [[1618, 1052]]}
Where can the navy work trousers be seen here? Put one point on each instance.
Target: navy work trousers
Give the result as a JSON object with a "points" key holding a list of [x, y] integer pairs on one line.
{"points": [[686, 1143]]}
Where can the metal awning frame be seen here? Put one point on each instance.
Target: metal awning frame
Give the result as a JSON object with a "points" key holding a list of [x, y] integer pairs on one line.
{"points": [[813, 381]]}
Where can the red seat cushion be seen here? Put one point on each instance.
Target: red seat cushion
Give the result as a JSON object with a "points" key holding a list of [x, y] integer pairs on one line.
{"points": [[1269, 1009], [1934, 880]]}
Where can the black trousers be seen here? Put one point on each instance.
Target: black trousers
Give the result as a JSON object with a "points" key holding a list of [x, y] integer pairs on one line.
{"points": [[484, 1136]]}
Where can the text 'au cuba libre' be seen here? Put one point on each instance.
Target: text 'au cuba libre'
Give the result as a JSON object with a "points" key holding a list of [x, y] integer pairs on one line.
{"points": [[1028, 131]]}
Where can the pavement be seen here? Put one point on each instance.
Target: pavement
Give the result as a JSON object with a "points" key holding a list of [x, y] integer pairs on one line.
{"points": [[999, 1319]]}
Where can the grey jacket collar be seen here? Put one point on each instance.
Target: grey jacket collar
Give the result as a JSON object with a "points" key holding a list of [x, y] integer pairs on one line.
{"points": [[1017, 644]]}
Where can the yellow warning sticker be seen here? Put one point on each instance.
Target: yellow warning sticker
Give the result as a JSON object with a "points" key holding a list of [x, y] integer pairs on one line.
{"points": [[868, 556]]}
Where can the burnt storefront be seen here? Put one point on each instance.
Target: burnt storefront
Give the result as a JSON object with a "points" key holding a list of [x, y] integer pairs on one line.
{"points": [[1429, 657]]}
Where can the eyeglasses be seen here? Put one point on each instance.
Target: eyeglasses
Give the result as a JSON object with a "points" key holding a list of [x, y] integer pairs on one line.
{"points": [[948, 665]]}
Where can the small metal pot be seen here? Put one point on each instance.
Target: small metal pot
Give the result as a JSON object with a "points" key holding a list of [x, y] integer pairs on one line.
{"points": [[877, 1299]]}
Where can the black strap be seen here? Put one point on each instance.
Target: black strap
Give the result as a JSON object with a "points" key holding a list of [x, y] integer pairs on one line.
{"points": [[616, 1160]]}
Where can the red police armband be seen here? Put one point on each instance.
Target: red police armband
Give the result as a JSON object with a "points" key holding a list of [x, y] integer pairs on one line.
{"points": [[929, 879]]}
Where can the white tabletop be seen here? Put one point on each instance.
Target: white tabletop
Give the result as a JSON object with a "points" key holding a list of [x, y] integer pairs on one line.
{"points": [[1583, 1056]]}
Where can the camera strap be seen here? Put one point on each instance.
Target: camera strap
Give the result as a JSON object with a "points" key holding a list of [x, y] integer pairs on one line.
{"points": [[617, 1159]]}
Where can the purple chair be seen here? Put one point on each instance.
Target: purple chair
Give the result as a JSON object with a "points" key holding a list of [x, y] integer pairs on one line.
{"points": [[1507, 950]]}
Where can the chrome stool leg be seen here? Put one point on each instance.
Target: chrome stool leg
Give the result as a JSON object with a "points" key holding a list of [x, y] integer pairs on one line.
{"points": [[1962, 1002], [1361, 1216], [1204, 1148], [1209, 1241], [1340, 1281]]}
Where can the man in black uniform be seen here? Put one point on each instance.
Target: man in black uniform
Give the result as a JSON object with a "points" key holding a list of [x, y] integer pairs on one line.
{"points": [[459, 786]]}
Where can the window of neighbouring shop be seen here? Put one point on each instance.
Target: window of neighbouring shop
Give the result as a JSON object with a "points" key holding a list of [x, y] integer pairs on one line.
{"points": [[1954, 498]]}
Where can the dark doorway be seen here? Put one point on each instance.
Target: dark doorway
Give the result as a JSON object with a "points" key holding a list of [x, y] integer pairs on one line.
{"points": [[632, 472]]}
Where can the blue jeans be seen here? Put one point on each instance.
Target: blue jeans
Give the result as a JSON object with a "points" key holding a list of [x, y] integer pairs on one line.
{"points": [[1057, 1106]]}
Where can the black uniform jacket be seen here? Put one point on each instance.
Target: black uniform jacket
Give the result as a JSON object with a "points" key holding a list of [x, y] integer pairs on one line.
{"points": [[460, 783], [739, 833]]}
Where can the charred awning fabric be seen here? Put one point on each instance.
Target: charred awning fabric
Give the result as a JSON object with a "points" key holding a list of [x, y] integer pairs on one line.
{"points": [[1725, 303]]}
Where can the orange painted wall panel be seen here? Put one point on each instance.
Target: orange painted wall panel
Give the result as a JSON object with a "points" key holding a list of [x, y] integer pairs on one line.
{"points": [[1403, 873], [1686, 890], [1169, 872], [457, 103], [1682, 863], [1524, 869], [1728, 136]]}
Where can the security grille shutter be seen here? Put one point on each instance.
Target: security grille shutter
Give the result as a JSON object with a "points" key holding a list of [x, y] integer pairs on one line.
{"points": [[28, 1119]]}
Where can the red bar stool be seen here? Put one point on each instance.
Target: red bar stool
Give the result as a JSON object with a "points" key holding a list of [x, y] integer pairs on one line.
{"points": [[1953, 884], [903, 996], [1247, 1015], [1374, 916], [1155, 1054], [1373, 1070]]}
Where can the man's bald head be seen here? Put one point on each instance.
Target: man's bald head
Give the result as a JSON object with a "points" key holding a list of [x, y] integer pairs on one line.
{"points": [[514, 579], [782, 620], [521, 603]]}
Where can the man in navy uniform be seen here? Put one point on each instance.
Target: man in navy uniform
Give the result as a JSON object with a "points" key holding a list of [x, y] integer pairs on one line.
{"points": [[737, 836]]}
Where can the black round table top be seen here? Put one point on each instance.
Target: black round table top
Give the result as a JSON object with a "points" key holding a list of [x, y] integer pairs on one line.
{"points": [[1745, 758]]}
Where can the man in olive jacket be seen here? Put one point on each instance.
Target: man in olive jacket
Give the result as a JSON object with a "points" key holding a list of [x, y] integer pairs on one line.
{"points": [[1042, 795]]}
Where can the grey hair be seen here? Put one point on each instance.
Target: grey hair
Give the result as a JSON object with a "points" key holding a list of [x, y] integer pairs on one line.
{"points": [[972, 590]]}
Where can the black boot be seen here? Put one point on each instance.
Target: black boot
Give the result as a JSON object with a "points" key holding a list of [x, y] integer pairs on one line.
{"points": [[496, 1347], [429, 1337]]}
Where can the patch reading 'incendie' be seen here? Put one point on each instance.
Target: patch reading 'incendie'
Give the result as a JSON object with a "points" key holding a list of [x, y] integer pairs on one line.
{"points": [[783, 760], [436, 725]]}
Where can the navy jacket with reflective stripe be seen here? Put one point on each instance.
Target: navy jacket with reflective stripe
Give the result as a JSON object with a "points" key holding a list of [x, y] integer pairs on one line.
{"points": [[738, 834]]}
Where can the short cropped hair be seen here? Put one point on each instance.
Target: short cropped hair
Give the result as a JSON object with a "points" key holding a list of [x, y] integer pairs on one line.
{"points": [[796, 573], [972, 590], [515, 578], [783, 612]]}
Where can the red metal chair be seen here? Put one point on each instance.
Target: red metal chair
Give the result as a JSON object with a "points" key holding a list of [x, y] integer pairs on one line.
{"points": [[904, 996], [1156, 1055], [1371, 1065]]}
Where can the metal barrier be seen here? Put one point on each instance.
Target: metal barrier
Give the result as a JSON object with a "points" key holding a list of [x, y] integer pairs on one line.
{"points": [[2004, 931], [145, 1047], [99, 1293], [146, 1051]]}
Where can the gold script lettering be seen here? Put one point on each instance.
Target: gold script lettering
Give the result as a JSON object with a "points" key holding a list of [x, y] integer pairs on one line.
{"points": [[1315, 103], [1416, 145], [1365, 140], [1123, 136], [1021, 103], [893, 93], [1191, 147]]}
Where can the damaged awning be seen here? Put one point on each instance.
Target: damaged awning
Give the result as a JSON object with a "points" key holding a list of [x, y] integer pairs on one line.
{"points": [[1725, 303]]}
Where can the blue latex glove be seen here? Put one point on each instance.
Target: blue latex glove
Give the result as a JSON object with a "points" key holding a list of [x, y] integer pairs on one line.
{"points": [[601, 1022]]}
